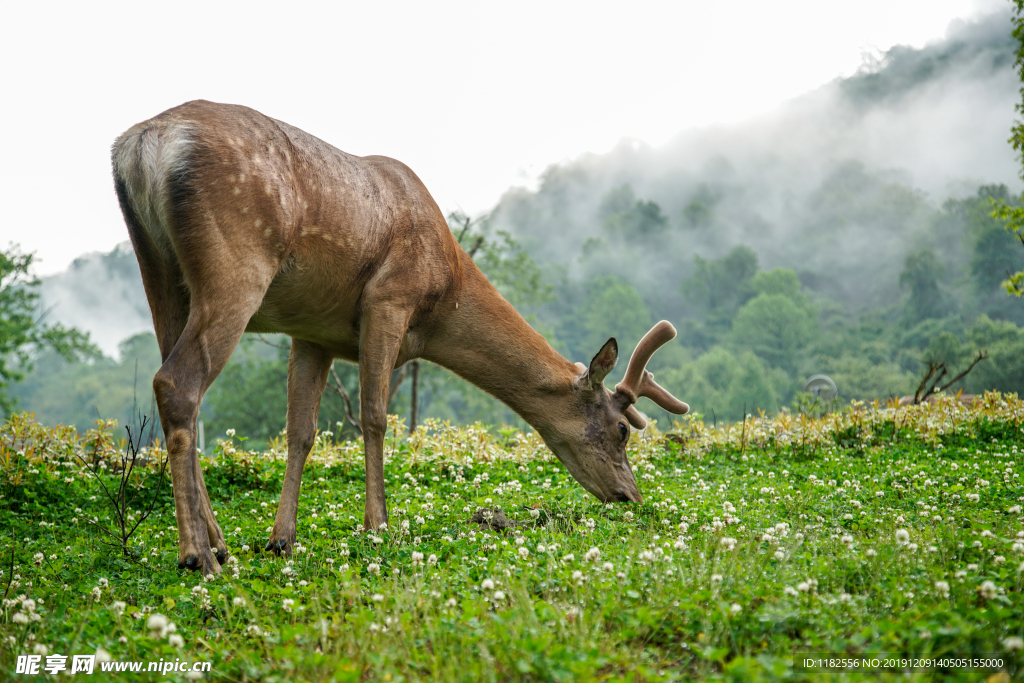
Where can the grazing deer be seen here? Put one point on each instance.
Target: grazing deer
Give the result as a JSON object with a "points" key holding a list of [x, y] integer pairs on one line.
{"points": [[242, 223]]}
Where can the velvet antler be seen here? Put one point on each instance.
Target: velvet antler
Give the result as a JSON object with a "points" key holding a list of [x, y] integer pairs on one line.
{"points": [[639, 382]]}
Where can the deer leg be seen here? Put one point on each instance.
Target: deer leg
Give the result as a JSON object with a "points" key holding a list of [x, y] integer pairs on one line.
{"points": [[381, 332], [308, 366], [195, 361]]}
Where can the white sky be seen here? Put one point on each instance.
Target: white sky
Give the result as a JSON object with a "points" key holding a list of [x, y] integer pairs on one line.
{"points": [[474, 96]]}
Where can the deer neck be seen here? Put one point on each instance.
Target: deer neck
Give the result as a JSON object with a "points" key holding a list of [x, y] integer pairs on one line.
{"points": [[487, 342]]}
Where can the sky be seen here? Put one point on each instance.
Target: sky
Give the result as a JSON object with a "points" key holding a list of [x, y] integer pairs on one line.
{"points": [[476, 97]]}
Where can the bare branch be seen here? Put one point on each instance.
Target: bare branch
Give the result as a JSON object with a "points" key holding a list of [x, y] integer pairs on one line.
{"points": [[978, 357], [337, 387]]}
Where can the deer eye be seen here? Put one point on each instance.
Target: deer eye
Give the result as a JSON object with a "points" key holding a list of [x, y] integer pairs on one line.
{"points": [[623, 431]]}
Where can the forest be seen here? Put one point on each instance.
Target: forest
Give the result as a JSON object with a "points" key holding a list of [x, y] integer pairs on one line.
{"points": [[829, 237]]}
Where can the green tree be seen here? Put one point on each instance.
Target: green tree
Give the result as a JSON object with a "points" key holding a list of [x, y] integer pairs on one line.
{"points": [[921, 273], [612, 307], [624, 215], [23, 331], [721, 286], [775, 328], [1014, 215]]}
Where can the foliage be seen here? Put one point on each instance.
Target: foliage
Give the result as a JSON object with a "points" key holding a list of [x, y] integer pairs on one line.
{"points": [[23, 330], [872, 530], [1004, 211]]}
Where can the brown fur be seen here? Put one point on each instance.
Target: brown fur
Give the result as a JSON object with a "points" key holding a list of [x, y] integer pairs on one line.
{"points": [[244, 223]]}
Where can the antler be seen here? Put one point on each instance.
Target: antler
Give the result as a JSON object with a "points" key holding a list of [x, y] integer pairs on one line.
{"points": [[639, 382]]}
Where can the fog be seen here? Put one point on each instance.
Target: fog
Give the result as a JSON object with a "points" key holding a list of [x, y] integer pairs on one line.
{"points": [[838, 184]]}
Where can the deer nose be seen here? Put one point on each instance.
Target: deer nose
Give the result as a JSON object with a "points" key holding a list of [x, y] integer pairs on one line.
{"points": [[626, 496]]}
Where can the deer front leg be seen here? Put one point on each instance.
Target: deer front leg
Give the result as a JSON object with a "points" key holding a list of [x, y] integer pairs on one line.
{"points": [[382, 330], [308, 366]]}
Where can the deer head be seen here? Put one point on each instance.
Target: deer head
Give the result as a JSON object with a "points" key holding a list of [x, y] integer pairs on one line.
{"points": [[593, 444]]}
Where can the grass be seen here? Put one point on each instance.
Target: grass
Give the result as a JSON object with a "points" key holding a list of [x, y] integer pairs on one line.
{"points": [[874, 530]]}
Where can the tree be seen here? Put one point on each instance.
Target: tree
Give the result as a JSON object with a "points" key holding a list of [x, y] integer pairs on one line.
{"points": [[624, 215], [775, 328], [721, 286], [1014, 215], [23, 332], [921, 273]]}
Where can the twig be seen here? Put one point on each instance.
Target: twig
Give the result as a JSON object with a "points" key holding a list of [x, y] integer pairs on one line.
{"points": [[339, 389], [980, 356]]}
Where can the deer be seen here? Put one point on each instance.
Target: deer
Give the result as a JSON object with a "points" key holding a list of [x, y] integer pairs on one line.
{"points": [[243, 223]]}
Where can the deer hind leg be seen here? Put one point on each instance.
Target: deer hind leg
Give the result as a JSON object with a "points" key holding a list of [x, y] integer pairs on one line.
{"points": [[381, 332], [213, 330], [308, 366]]}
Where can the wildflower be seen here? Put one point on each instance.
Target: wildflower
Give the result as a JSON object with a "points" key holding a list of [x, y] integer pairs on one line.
{"points": [[987, 590], [541, 548], [103, 582], [175, 640], [1013, 643], [628, 515], [432, 560], [157, 622], [287, 604], [727, 543], [230, 433], [973, 497], [417, 558], [20, 618], [716, 579], [735, 609], [487, 585], [96, 593], [902, 536], [452, 602], [847, 540], [499, 596], [804, 586], [789, 590], [534, 513], [577, 576], [942, 588], [377, 597], [104, 656], [38, 558], [593, 555], [523, 552], [680, 544], [569, 557], [780, 554], [287, 570], [607, 566], [238, 601], [373, 568], [870, 552], [118, 607], [646, 556]]}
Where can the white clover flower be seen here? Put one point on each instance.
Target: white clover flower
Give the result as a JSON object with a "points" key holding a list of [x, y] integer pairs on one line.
{"points": [[238, 601], [103, 583], [735, 609], [789, 590], [373, 568], [541, 548], [287, 570], [175, 640], [417, 558], [942, 588], [487, 585], [523, 552], [451, 602], [432, 560], [902, 536], [534, 513], [1013, 643], [118, 607], [377, 597], [716, 579], [104, 656], [727, 543], [29, 605], [157, 622], [96, 593], [593, 555], [230, 433], [988, 590], [287, 604], [780, 554], [499, 595], [607, 566], [577, 576], [646, 556], [628, 515], [20, 618], [38, 558], [973, 497], [803, 586]]}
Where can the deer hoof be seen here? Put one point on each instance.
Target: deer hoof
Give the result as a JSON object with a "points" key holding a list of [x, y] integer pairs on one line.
{"points": [[279, 546], [189, 562]]}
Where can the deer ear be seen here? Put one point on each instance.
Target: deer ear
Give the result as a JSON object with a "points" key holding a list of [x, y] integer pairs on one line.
{"points": [[603, 363]]}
